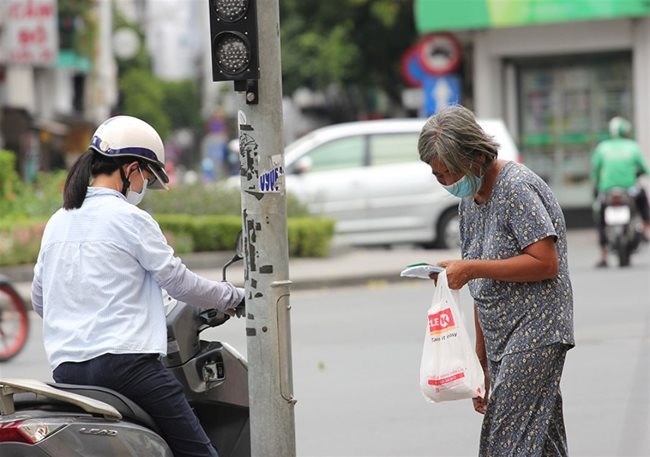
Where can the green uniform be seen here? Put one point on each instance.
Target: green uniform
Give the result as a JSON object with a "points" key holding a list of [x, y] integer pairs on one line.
{"points": [[616, 163]]}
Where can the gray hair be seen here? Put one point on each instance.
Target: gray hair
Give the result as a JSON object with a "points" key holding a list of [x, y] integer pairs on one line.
{"points": [[453, 137]]}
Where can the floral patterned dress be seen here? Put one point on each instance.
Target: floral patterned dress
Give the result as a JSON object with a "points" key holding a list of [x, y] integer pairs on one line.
{"points": [[527, 326]]}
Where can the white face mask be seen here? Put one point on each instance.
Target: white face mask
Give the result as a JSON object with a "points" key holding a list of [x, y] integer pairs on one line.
{"points": [[136, 197]]}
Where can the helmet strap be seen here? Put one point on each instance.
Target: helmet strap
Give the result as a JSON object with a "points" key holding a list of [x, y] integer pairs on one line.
{"points": [[126, 183]]}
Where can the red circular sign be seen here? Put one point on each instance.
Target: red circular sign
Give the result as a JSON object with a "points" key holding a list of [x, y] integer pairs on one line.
{"points": [[439, 53], [412, 72]]}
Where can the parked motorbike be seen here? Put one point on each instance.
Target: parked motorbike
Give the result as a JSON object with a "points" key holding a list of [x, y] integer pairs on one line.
{"points": [[623, 225], [57, 420]]}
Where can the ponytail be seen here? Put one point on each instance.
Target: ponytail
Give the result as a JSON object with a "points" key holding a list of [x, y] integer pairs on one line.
{"points": [[88, 165], [76, 184]]}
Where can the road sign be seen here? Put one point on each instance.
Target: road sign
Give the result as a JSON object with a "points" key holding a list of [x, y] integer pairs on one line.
{"points": [[412, 71], [439, 53], [440, 91]]}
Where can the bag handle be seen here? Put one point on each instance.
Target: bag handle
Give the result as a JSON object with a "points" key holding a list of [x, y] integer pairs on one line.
{"points": [[442, 285], [442, 279]]}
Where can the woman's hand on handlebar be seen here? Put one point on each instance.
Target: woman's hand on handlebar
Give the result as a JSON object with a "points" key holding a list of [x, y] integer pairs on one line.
{"points": [[239, 310]]}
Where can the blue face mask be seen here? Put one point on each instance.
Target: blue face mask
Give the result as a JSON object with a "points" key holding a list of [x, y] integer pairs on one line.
{"points": [[465, 186]]}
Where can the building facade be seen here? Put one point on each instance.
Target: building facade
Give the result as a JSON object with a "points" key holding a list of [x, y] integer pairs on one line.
{"points": [[56, 81], [556, 71]]}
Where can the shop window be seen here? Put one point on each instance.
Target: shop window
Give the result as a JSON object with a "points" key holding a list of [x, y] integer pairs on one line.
{"points": [[564, 107]]}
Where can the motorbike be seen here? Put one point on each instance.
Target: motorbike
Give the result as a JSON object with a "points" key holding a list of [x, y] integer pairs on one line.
{"points": [[54, 420], [623, 225]]}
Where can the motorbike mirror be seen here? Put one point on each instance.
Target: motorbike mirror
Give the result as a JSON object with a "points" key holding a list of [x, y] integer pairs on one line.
{"points": [[239, 254], [239, 245]]}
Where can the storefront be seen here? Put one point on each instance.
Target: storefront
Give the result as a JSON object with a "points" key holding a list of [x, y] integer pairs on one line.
{"points": [[556, 71]]}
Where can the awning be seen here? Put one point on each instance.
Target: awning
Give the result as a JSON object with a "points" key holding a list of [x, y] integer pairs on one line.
{"points": [[437, 15], [50, 125]]}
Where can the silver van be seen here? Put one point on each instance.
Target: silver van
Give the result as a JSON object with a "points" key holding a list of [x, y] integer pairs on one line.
{"points": [[368, 177]]}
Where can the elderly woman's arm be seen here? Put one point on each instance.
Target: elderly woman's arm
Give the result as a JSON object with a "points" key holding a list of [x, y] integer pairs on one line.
{"points": [[480, 403], [539, 261]]}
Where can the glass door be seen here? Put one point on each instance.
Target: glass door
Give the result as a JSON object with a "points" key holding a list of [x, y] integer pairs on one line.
{"points": [[564, 107]]}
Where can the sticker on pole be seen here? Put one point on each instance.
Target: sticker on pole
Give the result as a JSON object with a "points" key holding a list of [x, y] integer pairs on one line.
{"points": [[270, 181]]}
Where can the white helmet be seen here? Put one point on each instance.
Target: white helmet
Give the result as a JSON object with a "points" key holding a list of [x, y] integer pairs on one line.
{"points": [[122, 136], [619, 127]]}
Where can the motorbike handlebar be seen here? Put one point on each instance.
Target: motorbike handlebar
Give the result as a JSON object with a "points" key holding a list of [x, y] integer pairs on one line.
{"points": [[213, 317]]}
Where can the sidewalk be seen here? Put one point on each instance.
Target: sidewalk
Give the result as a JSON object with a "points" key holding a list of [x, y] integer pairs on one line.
{"points": [[343, 267]]}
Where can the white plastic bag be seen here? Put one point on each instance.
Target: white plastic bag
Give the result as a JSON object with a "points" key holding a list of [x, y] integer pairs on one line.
{"points": [[450, 369]]}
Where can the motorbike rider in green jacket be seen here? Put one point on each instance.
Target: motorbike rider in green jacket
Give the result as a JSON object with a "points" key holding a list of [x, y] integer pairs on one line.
{"points": [[618, 162]]}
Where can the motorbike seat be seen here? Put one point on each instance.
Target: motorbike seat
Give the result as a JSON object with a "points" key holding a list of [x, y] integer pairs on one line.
{"points": [[128, 409]]}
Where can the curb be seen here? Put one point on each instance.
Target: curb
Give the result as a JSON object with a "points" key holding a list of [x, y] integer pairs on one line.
{"points": [[21, 275], [195, 262]]}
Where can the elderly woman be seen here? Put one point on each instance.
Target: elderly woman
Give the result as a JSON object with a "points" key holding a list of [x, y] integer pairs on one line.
{"points": [[514, 259]]}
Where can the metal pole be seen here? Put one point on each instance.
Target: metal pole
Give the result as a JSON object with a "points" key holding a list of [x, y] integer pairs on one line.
{"points": [[266, 251]]}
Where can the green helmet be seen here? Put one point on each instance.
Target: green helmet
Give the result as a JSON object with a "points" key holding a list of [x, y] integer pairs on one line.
{"points": [[619, 127]]}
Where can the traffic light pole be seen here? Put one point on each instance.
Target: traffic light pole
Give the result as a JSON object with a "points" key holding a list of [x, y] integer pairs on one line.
{"points": [[267, 284]]}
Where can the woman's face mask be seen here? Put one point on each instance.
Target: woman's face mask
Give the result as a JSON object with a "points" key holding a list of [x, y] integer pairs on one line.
{"points": [[465, 186], [136, 197]]}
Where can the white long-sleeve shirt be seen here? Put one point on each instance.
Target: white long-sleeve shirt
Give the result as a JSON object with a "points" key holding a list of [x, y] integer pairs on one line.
{"points": [[98, 280]]}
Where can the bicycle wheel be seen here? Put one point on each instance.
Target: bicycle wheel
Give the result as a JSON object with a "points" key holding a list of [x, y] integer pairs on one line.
{"points": [[14, 322]]}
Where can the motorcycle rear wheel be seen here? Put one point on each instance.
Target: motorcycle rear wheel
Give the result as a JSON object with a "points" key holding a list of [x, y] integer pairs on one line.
{"points": [[623, 251]]}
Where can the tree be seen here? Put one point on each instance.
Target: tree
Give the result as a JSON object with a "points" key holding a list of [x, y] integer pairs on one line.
{"points": [[166, 105], [143, 96], [355, 45]]}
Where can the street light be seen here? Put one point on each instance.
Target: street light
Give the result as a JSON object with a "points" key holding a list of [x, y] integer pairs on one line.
{"points": [[233, 38]]}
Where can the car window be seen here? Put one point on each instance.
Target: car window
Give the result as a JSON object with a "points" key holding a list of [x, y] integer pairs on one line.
{"points": [[338, 154], [394, 148]]}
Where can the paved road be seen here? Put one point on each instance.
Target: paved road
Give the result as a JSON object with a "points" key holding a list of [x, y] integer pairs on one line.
{"points": [[356, 354]]}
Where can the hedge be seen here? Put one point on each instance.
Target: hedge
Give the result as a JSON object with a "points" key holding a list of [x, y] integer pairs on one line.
{"points": [[20, 241], [308, 236]]}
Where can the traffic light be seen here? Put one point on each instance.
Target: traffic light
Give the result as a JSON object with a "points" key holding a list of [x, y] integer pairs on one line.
{"points": [[233, 37]]}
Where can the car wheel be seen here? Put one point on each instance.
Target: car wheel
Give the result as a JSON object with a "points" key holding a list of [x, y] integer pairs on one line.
{"points": [[448, 233]]}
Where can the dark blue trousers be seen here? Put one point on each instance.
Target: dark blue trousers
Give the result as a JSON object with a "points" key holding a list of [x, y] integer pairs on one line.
{"points": [[144, 379]]}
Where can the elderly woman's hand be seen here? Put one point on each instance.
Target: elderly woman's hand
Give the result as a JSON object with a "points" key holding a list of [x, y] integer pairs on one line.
{"points": [[458, 273]]}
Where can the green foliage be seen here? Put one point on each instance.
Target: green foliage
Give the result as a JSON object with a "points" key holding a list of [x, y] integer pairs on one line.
{"points": [[42, 198], [194, 199], [349, 43], [20, 240], [9, 181], [144, 97], [208, 233], [141, 59], [193, 218], [166, 105], [310, 237], [182, 101], [22, 200], [77, 26], [205, 199], [182, 243], [210, 216], [331, 55]]}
